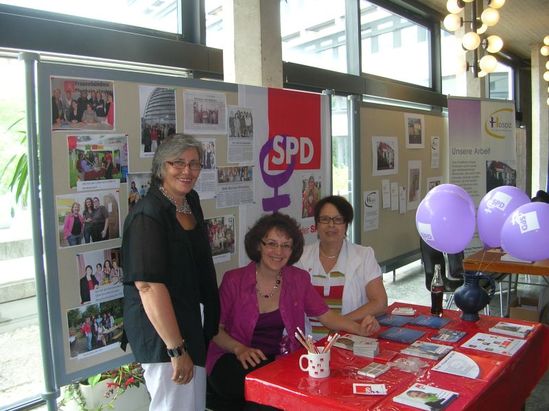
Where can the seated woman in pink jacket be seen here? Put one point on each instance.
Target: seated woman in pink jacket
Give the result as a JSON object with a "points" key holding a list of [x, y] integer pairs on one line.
{"points": [[262, 304]]}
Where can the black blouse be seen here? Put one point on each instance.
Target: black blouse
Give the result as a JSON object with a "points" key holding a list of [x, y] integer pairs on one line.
{"points": [[155, 248]]}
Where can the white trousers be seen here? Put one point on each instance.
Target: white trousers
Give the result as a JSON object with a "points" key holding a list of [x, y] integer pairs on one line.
{"points": [[168, 396]]}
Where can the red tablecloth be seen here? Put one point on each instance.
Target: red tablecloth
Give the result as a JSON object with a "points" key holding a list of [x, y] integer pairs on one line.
{"points": [[283, 385]]}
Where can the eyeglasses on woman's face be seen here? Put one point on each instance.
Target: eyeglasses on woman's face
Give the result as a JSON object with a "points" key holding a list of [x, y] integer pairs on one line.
{"points": [[182, 165], [273, 245], [324, 219]]}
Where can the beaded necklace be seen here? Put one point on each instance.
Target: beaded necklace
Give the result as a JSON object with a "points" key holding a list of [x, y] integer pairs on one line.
{"points": [[183, 208], [275, 286]]}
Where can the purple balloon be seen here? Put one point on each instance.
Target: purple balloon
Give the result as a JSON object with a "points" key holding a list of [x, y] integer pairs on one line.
{"points": [[493, 210], [525, 233], [452, 188], [446, 221]]}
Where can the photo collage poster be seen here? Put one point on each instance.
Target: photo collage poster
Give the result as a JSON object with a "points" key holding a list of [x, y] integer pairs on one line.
{"points": [[104, 181]]}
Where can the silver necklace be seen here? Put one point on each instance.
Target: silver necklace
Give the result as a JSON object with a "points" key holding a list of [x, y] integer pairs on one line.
{"points": [[330, 257], [275, 286], [183, 208]]}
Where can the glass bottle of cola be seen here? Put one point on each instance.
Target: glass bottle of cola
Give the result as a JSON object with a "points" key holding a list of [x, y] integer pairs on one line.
{"points": [[437, 292]]}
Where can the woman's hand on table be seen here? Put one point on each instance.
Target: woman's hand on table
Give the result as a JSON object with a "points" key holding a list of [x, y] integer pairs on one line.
{"points": [[368, 325], [249, 356]]}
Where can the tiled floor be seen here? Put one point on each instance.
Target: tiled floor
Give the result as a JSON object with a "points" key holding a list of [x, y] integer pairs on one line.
{"points": [[410, 287]]}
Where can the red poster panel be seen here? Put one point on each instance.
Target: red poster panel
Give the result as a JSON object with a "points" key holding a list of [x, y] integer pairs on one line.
{"points": [[294, 129]]}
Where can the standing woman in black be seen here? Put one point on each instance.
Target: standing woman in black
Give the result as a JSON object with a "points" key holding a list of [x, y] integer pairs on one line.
{"points": [[171, 302]]}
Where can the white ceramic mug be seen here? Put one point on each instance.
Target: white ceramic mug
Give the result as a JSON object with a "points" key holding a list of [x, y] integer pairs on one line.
{"points": [[318, 365]]}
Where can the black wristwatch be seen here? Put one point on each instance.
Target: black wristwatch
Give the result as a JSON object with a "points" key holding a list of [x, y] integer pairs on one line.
{"points": [[178, 351]]}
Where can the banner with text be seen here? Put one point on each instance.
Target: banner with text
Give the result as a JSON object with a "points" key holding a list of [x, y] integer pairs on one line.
{"points": [[482, 144], [291, 131]]}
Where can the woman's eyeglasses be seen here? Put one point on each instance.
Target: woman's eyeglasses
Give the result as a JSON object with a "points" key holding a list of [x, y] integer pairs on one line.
{"points": [[182, 165], [324, 219], [273, 245]]}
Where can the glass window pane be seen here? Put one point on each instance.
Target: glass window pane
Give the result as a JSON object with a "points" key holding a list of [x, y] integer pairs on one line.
{"points": [[22, 375], [159, 15], [214, 23], [501, 82], [341, 148], [313, 33], [393, 46], [452, 65]]}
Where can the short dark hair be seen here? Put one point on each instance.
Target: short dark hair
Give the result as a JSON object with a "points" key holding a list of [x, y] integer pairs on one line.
{"points": [[343, 207], [281, 222]]}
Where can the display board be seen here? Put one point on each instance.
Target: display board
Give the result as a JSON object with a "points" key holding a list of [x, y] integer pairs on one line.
{"points": [[404, 154], [99, 128], [483, 149]]}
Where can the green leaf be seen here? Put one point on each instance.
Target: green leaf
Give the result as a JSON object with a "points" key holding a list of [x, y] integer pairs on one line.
{"points": [[94, 379]]}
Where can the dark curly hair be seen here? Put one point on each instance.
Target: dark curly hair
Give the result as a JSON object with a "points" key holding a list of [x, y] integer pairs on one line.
{"points": [[282, 222], [343, 207]]}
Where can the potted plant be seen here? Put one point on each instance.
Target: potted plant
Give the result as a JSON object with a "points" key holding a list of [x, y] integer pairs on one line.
{"points": [[105, 391]]}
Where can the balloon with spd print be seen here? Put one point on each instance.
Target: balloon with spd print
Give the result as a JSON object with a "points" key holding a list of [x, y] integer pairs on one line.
{"points": [[445, 219], [525, 233], [493, 210]]}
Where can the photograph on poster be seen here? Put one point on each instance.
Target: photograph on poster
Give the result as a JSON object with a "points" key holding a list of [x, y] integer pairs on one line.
{"points": [[157, 113], [205, 113], [138, 186], [414, 184], [88, 216], [208, 157], [384, 156], [82, 104], [499, 174], [241, 123], [310, 194], [235, 186], [432, 182], [100, 275], [234, 174], [415, 130], [221, 234], [95, 157], [93, 328]]}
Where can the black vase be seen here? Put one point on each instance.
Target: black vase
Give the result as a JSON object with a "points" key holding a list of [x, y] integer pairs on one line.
{"points": [[471, 297]]}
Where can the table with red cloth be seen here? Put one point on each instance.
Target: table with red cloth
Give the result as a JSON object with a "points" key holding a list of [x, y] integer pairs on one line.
{"points": [[282, 384]]}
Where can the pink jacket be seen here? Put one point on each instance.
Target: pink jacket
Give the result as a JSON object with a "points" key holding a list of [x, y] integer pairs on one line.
{"points": [[69, 221], [240, 309]]}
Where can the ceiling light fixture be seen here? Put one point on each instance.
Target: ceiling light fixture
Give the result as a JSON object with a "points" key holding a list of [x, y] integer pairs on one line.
{"points": [[545, 52], [474, 38]]}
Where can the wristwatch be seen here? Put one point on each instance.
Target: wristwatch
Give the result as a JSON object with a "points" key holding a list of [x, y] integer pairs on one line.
{"points": [[178, 351]]}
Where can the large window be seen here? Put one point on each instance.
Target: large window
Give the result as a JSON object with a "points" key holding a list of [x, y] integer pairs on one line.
{"points": [[501, 83], [20, 358], [393, 46], [341, 148], [159, 15], [313, 33], [452, 64], [215, 37]]}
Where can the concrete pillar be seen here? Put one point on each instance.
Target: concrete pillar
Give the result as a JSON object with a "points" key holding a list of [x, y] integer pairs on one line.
{"points": [[253, 48], [540, 120]]}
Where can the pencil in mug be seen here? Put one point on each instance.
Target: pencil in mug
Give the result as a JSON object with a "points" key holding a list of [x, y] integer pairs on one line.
{"points": [[331, 342], [303, 342]]}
